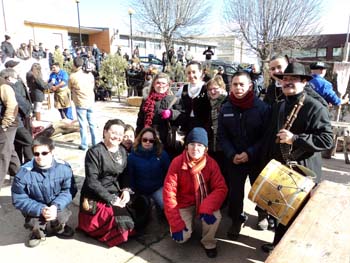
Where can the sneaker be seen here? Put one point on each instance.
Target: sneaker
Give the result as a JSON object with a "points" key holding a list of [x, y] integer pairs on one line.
{"points": [[82, 148], [267, 248], [271, 223], [263, 223], [33, 240], [65, 233], [211, 252]]}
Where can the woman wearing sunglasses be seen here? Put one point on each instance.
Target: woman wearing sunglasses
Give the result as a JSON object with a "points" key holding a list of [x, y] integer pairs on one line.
{"points": [[158, 109], [105, 192], [147, 166]]}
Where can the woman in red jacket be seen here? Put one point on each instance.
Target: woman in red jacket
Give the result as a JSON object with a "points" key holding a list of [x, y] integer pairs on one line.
{"points": [[194, 186]]}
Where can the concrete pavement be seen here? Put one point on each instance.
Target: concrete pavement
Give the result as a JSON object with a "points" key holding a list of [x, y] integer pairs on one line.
{"points": [[155, 245]]}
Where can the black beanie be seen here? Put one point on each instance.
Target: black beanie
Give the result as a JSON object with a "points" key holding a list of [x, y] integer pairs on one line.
{"points": [[198, 135]]}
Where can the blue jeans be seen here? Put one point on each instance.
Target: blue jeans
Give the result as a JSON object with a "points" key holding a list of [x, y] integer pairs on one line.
{"points": [[66, 113], [157, 196], [85, 117]]}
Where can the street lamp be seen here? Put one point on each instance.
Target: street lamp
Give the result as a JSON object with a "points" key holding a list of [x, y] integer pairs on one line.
{"points": [[131, 12], [77, 1], [3, 14]]}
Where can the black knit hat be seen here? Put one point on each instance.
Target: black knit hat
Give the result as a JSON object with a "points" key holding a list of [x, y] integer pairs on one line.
{"points": [[295, 69], [11, 64], [198, 135]]}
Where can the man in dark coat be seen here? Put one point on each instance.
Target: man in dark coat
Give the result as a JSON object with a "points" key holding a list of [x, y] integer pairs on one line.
{"points": [[309, 134], [7, 49]]}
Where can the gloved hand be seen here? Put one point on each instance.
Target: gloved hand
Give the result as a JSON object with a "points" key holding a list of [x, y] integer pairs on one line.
{"points": [[209, 219], [178, 236], [166, 114]]}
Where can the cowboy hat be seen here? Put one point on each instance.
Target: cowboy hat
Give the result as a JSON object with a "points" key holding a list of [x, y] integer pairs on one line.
{"points": [[294, 69]]}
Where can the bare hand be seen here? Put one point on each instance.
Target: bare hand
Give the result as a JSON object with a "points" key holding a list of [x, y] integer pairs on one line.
{"points": [[240, 158], [125, 197], [285, 136], [50, 213]]}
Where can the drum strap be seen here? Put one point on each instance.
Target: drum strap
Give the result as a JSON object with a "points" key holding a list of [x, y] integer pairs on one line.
{"points": [[302, 169]]}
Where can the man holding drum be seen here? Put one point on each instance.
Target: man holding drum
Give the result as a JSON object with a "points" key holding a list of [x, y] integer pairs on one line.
{"points": [[299, 130]]}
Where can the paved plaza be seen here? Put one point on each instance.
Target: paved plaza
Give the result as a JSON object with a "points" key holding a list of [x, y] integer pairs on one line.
{"points": [[155, 245]]}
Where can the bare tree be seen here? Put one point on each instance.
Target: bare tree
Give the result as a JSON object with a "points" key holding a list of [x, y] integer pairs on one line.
{"points": [[271, 26], [170, 18]]}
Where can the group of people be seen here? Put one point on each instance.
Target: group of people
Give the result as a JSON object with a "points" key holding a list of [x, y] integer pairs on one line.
{"points": [[226, 137]]}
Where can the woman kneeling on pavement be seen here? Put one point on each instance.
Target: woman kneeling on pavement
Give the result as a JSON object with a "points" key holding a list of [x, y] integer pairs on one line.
{"points": [[105, 192], [194, 186]]}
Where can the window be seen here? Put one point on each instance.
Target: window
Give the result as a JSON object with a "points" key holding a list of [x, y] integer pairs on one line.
{"points": [[337, 51], [321, 52], [304, 53]]}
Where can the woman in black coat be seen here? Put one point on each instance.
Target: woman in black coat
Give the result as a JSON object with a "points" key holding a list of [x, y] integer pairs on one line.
{"points": [[36, 86], [159, 110]]}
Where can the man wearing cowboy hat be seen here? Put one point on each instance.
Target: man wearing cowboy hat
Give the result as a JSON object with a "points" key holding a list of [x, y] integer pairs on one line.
{"points": [[309, 134], [324, 87]]}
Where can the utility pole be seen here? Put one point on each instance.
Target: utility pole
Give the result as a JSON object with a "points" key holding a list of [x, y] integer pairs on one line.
{"points": [[346, 45]]}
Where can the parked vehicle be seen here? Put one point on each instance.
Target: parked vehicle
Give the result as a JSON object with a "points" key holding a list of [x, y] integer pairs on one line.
{"points": [[229, 68], [150, 60]]}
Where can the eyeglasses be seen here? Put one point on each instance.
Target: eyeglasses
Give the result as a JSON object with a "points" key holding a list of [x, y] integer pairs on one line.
{"points": [[37, 154], [147, 140]]}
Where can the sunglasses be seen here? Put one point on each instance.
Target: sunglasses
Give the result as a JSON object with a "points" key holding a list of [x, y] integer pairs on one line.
{"points": [[147, 140], [37, 154]]}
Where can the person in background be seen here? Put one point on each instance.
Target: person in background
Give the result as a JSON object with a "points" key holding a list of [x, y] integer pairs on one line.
{"points": [[221, 72], [208, 53], [42, 190], [37, 86], [148, 164], [129, 137], [323, 86], [9, 161], [194, 187], [257, 78], [188, 55], [242, 120], [59, 80], [82, 85], [22, 52], [106, 190], [7, 50], [23, 138], [180, 55]]}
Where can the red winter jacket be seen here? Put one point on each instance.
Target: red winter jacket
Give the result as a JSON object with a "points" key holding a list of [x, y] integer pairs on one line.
{"points": [[178, 191]]}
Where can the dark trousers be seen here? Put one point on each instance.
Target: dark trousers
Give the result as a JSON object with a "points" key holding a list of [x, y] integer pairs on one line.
{"points": [[236, 192], [9, 162], [42, 227], [23, 144]]}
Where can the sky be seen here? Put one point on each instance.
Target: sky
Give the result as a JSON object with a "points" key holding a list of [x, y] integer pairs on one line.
{"points": [[335, 17]]}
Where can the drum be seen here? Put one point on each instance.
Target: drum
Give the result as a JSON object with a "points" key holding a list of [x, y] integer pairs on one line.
{"points": [[280, 191]]}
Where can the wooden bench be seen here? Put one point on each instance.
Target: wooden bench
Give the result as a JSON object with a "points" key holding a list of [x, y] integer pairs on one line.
{"points": [[341, 131], [321, 231]]}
